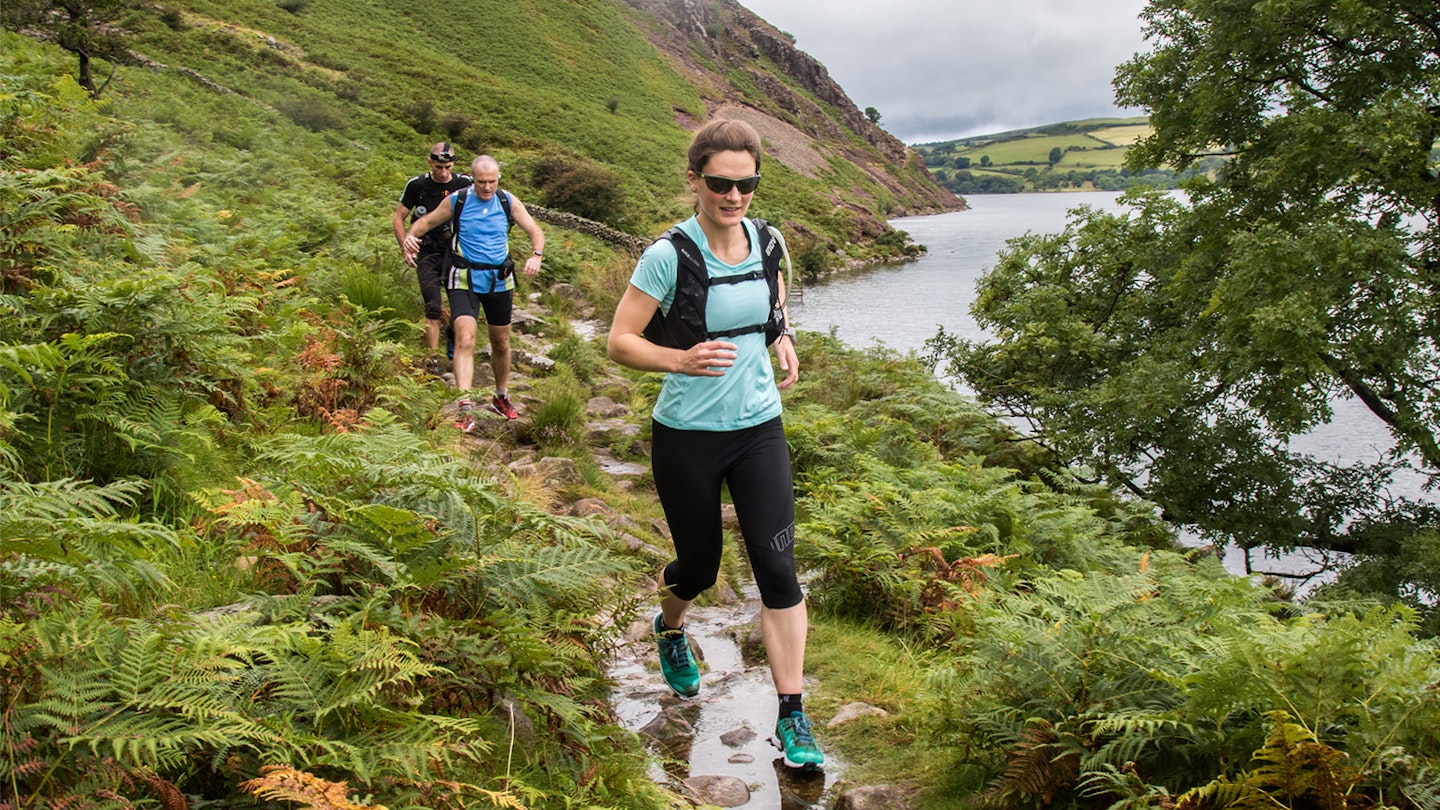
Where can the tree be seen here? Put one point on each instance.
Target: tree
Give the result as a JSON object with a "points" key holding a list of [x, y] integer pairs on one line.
{"points": [[872, 114], [1176, 350], [87, 28], [1056, 153]]}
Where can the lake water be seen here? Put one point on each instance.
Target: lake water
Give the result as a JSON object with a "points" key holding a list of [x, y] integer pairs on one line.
{"points": [[901, 306]]}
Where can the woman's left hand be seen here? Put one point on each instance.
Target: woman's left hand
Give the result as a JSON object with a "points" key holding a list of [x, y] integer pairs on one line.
{"points": [[789, 361]]}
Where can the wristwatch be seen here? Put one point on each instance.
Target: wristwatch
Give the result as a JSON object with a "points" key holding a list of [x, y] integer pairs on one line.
{"points": [[790, 333], [541, 254]]}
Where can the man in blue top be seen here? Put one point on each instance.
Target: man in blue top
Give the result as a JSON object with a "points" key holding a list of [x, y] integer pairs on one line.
{"points": [[481, 275]]}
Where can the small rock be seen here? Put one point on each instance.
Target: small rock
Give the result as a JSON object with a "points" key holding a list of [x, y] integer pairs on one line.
{"points": [[874, 797], [585, 507], [668, 725], [559, 471], [567, 292], [720, 791], [855, 711], [510, 713], [605, 408], [737, 737], [740, 759]]}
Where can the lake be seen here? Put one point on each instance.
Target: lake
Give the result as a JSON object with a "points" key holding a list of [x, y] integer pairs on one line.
{"points": [[901, 306]]}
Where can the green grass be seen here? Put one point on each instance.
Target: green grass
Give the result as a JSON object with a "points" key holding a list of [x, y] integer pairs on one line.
{"points": [[857, 664]]}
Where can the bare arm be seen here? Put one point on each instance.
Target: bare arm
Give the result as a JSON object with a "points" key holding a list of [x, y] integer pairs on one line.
{"points": [[401, 214], [532, 229], [784, 348], [628, 347], [411, 244]]}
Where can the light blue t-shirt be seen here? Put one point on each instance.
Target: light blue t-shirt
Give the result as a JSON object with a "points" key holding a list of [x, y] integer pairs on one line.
{"points": [[484, 239], [746, 395]]}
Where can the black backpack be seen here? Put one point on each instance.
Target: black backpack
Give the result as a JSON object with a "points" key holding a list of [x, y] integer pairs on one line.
{"points": [[684, 325]]}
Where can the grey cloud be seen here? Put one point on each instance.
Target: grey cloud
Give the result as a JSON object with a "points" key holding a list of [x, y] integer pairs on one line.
{"points": [[943, 70]]}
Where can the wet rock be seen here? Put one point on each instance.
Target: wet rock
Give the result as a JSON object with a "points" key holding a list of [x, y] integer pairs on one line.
{"points": [[855, 711], [798, 789], [720, 791], [740, 759], [751, 643], [669, 728], [874, 797], [737, 738]]}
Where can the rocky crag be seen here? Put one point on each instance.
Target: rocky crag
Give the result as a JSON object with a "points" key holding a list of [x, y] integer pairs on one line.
{"points": [[808, 121]]}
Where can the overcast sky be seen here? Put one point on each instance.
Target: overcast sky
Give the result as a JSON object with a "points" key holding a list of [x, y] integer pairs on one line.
{"points": [[943, 69]]}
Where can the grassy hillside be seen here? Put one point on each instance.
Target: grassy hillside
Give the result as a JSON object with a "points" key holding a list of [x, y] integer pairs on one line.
{"points": [[1091, 157], [577, 82]]}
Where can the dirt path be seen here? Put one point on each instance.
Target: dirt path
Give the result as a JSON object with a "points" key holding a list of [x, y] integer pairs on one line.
{"points": [[736, 702]]}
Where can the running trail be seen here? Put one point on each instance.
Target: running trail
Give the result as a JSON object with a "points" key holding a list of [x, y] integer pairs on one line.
{"points": [[736, 703]]}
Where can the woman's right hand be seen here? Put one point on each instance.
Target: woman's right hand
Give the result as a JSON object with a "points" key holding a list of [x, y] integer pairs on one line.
{"points": [[708, 359]]}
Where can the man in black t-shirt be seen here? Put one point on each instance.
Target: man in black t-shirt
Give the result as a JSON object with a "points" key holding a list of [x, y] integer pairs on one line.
{"points": [[421, 196]]}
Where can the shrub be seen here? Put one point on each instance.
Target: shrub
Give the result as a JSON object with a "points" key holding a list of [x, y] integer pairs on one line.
{"points": [[419, 114], [311, 114], [455, 125], [559, 420], [580, 187]]}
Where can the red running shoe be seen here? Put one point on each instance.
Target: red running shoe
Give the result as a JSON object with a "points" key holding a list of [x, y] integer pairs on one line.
{"points": [[465, 420], [502, 406]]}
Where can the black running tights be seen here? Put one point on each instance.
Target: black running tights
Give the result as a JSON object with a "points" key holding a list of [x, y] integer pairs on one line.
{"points": [[689, 467]]}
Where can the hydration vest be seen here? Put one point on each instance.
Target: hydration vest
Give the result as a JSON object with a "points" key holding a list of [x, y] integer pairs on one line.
{"points": [[685, 325], [455, 262]]}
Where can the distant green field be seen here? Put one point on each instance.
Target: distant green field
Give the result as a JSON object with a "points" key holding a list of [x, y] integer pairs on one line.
{"points": [[1028, 150], [1092, 156], [1122, 136], [1087, 144]]}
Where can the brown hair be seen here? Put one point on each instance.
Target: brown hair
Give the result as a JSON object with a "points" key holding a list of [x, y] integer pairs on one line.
{"points": [[723, 135]]}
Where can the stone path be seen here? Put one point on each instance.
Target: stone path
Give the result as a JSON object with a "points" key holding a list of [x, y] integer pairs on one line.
{"points": [[719, 740]]}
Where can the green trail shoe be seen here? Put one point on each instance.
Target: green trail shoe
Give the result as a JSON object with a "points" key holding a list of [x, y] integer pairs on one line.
{"points": [[793, 736], [676, 662]]}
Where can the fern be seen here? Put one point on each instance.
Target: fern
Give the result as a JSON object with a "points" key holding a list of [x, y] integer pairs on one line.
{"points": [[70, 531]]}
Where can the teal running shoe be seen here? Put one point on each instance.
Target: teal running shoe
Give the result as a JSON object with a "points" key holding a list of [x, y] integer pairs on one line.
{"points": [[794, 737], [676, 662]]}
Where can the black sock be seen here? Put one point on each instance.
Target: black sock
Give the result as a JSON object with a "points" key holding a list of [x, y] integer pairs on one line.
{"points": [[789, 704]]}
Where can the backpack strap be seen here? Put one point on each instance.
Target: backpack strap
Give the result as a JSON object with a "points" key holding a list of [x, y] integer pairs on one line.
{"points": [[685, 324], [505, 203], [455, 209]]}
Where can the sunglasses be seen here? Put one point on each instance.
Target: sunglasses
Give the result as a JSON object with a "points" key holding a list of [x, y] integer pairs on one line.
{"points": [[722, 185], [443, 157]]}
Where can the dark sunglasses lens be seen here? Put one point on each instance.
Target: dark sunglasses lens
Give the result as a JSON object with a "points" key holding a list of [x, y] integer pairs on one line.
{"points": [[722, 185]]}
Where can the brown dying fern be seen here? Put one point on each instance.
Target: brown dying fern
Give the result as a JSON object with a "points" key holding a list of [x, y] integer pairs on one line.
{"points": [[281, 783]]}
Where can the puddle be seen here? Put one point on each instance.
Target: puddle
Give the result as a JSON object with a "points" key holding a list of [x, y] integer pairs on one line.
{"points": [[732, 696]]}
